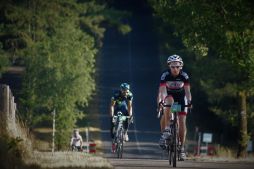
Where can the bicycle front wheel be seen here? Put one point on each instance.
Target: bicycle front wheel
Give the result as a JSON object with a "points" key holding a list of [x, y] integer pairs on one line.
{"points": [[170, 154], [174, 146], [120, 145]]}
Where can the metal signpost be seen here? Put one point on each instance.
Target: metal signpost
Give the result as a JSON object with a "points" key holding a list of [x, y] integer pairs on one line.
{"points": [[53, 132], [207, 138]]}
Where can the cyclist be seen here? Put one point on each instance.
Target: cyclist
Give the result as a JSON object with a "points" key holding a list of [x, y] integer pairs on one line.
{"points": [[121, 101], [174, 87], [76, 140]]}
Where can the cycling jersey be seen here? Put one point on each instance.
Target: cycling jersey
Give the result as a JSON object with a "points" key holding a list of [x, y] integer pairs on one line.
{"points": [[76, 140], [121, 104], [121, 101], [175, 86]]}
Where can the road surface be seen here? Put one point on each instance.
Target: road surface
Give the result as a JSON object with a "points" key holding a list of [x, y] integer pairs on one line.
{"points": [[132, 58], [155, 164]]}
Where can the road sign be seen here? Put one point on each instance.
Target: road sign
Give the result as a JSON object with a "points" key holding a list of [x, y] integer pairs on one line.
{"points": [[207, 137]]}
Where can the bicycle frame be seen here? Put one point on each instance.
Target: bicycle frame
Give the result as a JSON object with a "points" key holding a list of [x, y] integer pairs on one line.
{"points": [[172, 145], [174, 149], [120, 118]]}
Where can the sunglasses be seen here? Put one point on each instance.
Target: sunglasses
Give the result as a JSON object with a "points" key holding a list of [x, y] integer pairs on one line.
{"points": [[173, 67], [125, 91]]}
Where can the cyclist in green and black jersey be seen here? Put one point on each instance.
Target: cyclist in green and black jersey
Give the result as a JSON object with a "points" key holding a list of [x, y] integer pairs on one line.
{"points": [[121, 101]]}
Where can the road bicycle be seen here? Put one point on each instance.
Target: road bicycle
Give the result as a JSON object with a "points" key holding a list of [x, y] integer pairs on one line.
{"points": [[119, 120], [173, 146], [76, 148]]}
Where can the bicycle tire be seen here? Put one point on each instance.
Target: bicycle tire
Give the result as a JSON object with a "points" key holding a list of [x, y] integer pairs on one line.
{"points": [[119, 148], [174, 151], [120, 144], [169, 152], [121, 151], [170, 155], [174, 145]]}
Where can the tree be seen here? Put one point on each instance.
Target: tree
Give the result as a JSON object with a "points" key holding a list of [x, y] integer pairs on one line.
{"points": [[56, 42], [220, 32]]}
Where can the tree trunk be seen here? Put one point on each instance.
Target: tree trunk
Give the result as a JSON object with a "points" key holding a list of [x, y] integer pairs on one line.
{"points": [[244, 138]]}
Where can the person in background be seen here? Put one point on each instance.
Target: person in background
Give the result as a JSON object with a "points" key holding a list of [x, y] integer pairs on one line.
{"points": [[76, 141]]}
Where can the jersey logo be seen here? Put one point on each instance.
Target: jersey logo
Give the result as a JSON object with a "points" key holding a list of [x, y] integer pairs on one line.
{"points": [[175, 84]]}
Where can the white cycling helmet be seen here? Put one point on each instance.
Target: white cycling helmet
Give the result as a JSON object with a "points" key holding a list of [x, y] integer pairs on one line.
{"points": [[125, 86], [175, 58]]}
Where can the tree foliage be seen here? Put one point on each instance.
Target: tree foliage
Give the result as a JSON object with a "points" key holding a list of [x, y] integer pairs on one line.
{"points": [[57, 42], [222, 36]]}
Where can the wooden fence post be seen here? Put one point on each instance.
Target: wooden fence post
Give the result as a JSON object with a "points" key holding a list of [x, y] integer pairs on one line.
{"points": [[5, 105]]}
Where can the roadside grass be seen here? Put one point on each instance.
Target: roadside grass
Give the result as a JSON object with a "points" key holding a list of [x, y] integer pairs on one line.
{"points": [[67, 159], [225, 152], [32, 150], [16, 153], [13, 150], [222, 154], [44, 158], [42, 138]]}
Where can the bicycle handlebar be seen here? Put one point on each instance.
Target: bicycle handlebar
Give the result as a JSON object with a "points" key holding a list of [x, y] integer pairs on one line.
{"points": [[130, 118], [189, 106], [168, 105]]}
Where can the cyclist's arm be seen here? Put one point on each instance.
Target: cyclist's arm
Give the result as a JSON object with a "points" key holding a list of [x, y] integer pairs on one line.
{"points": [[111, 110], [81, 141], [187, 92], [130, 107], [162, 93]]}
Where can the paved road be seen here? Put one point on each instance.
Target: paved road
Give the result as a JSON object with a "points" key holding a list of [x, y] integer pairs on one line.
{"points": [[155, 164], [133, 59]]}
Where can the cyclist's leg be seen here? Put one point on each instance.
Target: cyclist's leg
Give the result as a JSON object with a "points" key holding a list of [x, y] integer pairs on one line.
{"points": [[72, 147], [126, 122], [124, 110], [169, 100], [125, 126], [182, 120], [112, 129], [182, 124], [162, 122], [112, 132], [182, 128], [165, 121], [182, 134]]}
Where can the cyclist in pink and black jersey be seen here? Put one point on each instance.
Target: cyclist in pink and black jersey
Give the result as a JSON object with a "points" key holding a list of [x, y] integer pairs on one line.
{"points": [[174, 87]]}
